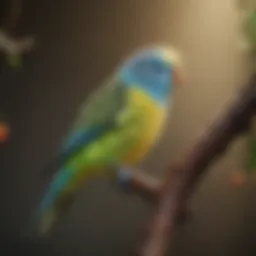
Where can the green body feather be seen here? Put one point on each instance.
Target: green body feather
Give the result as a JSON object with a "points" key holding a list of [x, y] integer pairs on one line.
{"points": [[109, 105]]}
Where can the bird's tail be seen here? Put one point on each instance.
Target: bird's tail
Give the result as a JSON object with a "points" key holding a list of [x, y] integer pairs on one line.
{"points": [[53, 206]]}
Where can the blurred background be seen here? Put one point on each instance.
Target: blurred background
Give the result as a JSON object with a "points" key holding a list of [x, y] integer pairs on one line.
{"points": [[78, 44]]}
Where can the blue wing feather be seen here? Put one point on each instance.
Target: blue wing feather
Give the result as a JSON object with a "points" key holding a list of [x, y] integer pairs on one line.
{"points": [[82, 138], [60, 181], [76, 142]]}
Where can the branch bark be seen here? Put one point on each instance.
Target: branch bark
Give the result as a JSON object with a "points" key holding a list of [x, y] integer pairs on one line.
{"points": [[182, 177]]}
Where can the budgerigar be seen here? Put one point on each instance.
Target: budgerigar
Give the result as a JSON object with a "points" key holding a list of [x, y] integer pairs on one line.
{"points": [[116, 128]]}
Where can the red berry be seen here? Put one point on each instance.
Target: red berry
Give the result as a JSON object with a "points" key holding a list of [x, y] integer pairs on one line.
{"points": [[4, 131]]}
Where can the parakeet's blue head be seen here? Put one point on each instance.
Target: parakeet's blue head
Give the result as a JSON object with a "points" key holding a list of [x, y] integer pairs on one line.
{"points": [[153, 71]]}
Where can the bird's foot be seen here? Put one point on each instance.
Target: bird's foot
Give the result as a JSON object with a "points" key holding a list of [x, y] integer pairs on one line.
{"points": [[135, 180], [124, 179]]}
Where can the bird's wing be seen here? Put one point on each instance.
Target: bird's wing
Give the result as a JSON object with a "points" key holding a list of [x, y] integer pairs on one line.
{"points": [[96, 116]]}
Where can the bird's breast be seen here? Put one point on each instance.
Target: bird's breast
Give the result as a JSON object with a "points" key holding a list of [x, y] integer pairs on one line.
{"points": [[151, 117]]}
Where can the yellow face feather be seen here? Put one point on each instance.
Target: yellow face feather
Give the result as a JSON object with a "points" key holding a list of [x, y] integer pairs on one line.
{"points": [[173, 58]]}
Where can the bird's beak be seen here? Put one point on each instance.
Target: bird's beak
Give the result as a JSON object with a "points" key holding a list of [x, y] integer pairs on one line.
{"points": [[179, 77]]}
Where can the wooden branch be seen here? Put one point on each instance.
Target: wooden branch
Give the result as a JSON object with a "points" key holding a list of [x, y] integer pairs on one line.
{"points": [[8, 43], [12, 46], [145, 185], [183, 176]]}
